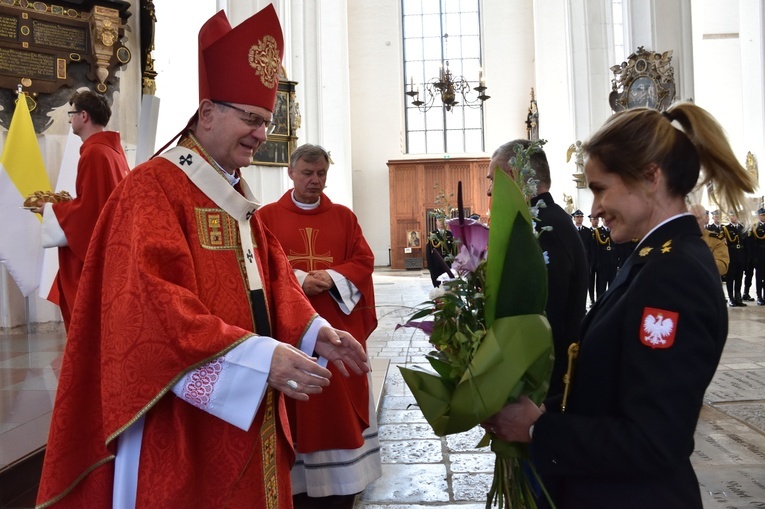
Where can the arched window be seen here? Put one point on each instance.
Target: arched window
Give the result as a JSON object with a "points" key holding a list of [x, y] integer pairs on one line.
{"points": [[437, 33]]}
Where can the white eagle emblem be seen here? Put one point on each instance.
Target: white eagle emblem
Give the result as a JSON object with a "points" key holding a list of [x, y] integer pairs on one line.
{"points": [[657, 328]]}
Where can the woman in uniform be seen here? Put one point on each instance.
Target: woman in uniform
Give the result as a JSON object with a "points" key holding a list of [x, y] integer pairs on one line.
{"points": [[650, 346]]}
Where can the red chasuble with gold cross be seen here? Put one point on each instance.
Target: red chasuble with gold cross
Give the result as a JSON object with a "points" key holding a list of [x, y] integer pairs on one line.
{"points": [[329, 237], [164, 291]]}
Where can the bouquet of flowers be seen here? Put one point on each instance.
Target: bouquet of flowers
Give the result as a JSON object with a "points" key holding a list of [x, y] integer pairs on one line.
{"points": [[493, 342]]}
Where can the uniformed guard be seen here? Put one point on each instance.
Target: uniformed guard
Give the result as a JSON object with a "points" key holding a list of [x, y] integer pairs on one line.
{"points": [[584, 233], [439, 251], [734, 234], [758, 245], [593, 257], [608, 259], [748, 266], [715, 226]]}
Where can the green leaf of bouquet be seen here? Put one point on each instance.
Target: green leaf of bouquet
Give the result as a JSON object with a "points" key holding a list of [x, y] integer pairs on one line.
{"points": [[421, 314], [524, 292], [441, 366], [433, 394], [516, 350], [506, 204]]}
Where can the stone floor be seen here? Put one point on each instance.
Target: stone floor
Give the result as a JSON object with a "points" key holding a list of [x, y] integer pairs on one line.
{"points": [[422, 470]]}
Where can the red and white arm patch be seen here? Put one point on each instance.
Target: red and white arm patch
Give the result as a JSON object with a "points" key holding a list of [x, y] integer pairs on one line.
{"points": [[657, 328]]}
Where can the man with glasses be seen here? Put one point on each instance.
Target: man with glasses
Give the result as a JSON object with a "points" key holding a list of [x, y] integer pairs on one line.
{"points": [[251, 119], [189, 326], [69, 225]]}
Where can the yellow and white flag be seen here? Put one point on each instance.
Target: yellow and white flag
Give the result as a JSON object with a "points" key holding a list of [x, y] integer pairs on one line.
{"points": [[22, 172], [67, 181]]}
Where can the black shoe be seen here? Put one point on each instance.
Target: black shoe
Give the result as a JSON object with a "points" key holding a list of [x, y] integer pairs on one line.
{"points": [[740, 303], [760, 302], [732, 303], [748, 298]]}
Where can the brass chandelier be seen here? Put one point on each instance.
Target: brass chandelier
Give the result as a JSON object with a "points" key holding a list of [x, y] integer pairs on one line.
{"points": [[449, 88]]}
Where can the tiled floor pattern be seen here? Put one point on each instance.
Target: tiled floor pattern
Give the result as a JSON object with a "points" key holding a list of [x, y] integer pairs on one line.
{"points": [[421, 470]]}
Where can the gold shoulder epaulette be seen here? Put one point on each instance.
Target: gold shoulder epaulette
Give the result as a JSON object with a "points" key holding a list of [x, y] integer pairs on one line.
{"points": [[665, 248]]}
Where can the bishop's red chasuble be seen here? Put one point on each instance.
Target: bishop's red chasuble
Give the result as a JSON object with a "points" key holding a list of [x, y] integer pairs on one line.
{"points": [[329, 237], [163, 292], [101, 167]]}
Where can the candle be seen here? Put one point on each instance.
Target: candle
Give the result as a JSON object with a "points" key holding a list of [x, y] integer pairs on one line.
{"points": [[411, 82]]}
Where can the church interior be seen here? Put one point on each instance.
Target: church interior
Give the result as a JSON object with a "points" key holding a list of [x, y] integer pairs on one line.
{"points": [[410, 97]]}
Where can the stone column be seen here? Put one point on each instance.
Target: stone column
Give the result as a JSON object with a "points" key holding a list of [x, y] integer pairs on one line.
{"points": [[752, 37]]}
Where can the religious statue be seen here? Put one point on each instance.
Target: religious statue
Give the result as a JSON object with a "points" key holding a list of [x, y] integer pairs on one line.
{"points": [[751, 166], [532, 119], [576, 149], [569, 203], [578, 152]]}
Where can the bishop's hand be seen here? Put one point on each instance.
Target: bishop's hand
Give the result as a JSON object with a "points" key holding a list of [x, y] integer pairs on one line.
{"points": [[342, 350], [296, 374]]}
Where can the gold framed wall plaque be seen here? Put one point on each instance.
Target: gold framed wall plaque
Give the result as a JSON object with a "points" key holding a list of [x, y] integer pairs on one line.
{"points": [[280, 144], [645, 79]]}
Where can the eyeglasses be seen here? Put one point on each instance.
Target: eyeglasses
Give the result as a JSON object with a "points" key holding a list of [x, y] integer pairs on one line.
{"points": [[252, 120], [73, 112]]}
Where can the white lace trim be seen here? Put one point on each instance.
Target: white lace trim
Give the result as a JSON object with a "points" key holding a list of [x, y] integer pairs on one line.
{"points": [[199, 385]]}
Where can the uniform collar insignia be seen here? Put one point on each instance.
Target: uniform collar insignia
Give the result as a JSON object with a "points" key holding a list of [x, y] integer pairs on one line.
{"points": [[645, 251]]}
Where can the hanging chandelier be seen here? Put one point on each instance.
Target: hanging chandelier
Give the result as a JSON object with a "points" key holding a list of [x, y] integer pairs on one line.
{"points": [[450, 89]]}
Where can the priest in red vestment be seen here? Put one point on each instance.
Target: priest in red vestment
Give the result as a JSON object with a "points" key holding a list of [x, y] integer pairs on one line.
{"points": [[333, 263], [189, 326], [69, 225]]}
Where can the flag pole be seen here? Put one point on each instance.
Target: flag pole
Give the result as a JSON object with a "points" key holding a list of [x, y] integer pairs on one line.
{"points": [[20, 94], [26, 318]]}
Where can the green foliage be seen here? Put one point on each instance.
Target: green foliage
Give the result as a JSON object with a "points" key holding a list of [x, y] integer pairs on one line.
{"points": [[443, 209], [459, 325], [523, 173]]}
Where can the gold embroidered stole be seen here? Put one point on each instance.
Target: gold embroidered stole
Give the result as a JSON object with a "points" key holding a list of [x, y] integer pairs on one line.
{"points": [[202, 170]]}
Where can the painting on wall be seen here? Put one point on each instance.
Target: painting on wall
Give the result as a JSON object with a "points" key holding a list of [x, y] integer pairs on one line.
{"points": [[274, 152], [280, 143], [412, 238]]}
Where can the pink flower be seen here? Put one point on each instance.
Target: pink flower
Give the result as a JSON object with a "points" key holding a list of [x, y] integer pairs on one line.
{"points": [[425, 326], [473, 237]]}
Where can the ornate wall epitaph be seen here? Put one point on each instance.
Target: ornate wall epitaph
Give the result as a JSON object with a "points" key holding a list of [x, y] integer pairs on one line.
{"points": [[646, 79]]}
